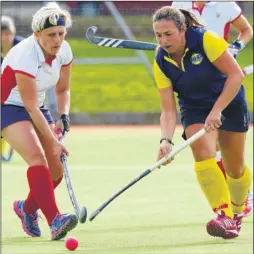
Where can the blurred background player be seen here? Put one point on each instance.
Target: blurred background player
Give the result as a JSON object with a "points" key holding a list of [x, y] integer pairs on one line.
{"points": [[8, 35], [8, 40], [29, 69], [218, 16]]}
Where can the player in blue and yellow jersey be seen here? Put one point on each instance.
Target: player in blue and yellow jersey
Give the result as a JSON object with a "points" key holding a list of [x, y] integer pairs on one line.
{"points": [[196, 64], [219, 16], [8, 40]]}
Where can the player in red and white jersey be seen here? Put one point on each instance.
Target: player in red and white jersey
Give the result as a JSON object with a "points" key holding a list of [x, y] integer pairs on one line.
{"points": [[29, 69], [219, 16], [44, 70]]}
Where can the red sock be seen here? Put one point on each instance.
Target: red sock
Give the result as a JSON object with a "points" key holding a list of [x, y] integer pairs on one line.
{"points": [[42, 190], [220, 164], [30, 205]]}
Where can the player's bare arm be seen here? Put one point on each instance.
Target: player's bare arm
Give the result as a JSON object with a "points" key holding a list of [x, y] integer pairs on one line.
{"points": [[245, 30], [228, 65], [167, 120], [63, 90], [27, 89]]}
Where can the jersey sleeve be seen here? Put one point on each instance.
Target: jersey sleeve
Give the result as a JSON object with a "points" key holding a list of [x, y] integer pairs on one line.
{"points": [[68, 56], [214, 45], [25, 65], [233, 11], [161, 80]]}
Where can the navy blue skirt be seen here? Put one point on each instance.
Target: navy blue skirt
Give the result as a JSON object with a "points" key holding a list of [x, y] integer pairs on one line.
{"points": [[236, 117], [11, 114]]}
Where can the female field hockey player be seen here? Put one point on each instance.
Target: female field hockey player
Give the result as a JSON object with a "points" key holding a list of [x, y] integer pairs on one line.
{"points": [[8, 40], [30, 68], [218, 16], [196, 64]]}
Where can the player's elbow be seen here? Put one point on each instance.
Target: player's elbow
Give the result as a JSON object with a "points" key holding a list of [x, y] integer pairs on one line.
{"points": [[248, 31], [238, 77]]}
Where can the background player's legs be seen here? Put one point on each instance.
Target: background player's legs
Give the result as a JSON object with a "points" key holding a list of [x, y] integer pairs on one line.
{"points": [[6, 155], [219, 160], [3, 145]]}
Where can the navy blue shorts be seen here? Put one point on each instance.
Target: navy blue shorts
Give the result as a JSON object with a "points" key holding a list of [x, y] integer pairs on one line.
{"points": [[11, 114], [236, 117]]}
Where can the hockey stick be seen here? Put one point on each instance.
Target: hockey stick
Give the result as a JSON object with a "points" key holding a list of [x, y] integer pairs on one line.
{"points": [[8, 158], [81, 213], [117, 43], [175, 151]]}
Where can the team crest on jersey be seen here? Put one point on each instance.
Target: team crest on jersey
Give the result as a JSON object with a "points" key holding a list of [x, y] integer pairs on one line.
{"points": [[196, 59]]}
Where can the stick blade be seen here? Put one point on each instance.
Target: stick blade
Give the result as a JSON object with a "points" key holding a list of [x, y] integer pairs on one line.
{"points": [[83, 215], [90, 33], [93, 215]]}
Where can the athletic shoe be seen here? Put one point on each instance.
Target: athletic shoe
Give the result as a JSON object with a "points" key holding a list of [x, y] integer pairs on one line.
{"points": [[222, 226], [238, 220], [62, 224], [29, 221], [248, 204]]}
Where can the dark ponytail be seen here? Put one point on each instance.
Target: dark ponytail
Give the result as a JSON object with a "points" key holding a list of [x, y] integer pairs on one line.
{"points": [[179, 16], [190, 19]]}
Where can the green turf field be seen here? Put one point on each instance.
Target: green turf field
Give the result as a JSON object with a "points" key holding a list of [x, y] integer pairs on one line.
{"points": [[125, 87], [164, 213]]}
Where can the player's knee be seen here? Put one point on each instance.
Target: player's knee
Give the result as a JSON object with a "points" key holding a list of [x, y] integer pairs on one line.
{"points": [[236, 169], [36, 157], [203, 153]]}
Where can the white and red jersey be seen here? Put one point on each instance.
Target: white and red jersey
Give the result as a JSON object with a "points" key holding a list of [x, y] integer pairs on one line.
{"points": [[217, 16], [27, 58]]}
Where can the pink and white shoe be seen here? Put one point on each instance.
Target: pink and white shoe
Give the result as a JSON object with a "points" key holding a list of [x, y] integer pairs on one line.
{"points": [[238, 220], [248, 204], [222, 226]]}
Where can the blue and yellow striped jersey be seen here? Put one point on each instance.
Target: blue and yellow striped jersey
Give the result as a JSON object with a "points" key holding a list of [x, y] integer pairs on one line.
{"points": [[197, 82]]}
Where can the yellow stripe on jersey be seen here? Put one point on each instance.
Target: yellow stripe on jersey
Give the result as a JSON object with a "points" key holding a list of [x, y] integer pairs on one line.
{"points": [[161, 80], [214, 45], [171, 61]]}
